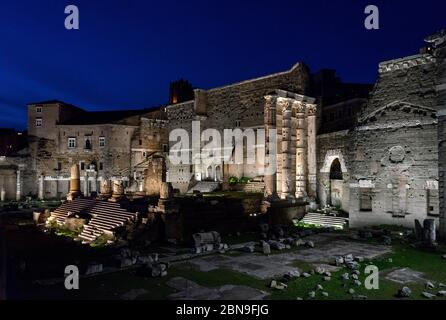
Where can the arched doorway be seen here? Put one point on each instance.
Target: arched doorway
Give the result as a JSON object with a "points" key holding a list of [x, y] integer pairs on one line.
{"points": [[209, 174], [336, 183], [218, 174]]}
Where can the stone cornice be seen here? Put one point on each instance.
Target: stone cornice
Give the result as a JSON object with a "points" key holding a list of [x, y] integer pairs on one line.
{"points": [[397, 105], [406, 63]]}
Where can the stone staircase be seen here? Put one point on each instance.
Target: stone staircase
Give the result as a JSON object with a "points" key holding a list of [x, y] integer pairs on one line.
{"points": [[78, 206], [105, 216], [204, 186], [325, 220], [253, 187]]}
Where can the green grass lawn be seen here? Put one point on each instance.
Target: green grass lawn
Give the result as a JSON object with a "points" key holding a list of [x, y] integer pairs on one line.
{"points": [[430, 263]]}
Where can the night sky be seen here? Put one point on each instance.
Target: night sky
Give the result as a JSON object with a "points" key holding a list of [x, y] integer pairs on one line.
{"points": [[126, 52]]}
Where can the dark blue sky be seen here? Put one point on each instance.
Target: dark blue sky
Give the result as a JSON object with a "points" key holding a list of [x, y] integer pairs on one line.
{"points": [[126, 52]]}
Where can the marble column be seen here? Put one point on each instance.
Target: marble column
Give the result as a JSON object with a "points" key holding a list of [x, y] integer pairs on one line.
{"points": [[41, 192], [287, 179], [270, 149], [19, 186], [301, 151], [311, 160], [75, 183], [86, 184]]}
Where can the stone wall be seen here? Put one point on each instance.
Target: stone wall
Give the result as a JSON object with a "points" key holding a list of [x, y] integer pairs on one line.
{"points": [[394, 149], [439, 41], [240, 105]]}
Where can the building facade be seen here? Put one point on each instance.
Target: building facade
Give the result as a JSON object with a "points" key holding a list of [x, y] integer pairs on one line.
{"points": [[380, 157]]}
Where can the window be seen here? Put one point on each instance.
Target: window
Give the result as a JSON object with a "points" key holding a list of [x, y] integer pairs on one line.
{"points": [[102, 142], [82, 166], [432, 202], [140, 142], [238, 123], [38, 122], [59, 166], [88, 145], [165, 148], [39, 109], [365, 199], [71, 143], [101, 166]]}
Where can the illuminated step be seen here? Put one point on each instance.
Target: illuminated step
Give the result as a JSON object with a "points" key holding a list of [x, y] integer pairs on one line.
{"points": [[324, 220]]}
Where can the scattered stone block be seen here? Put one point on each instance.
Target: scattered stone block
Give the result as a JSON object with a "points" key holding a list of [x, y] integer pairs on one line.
{"points": [[404, 292], [319, 270], [339, 261], [248, 249], [429, 285], [352, 265], [277, 245], [291, 275], [311, 294], [325, 294], [309, 244], [266, 248], [427, 295]]}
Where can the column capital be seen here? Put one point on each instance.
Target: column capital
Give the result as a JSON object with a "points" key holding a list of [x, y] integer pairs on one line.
{"points": [[284, 104], [270, 101], [311, 109], [299, 107]]}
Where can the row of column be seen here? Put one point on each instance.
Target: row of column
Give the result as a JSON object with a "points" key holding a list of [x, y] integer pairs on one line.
{"points": [[301, 117]]}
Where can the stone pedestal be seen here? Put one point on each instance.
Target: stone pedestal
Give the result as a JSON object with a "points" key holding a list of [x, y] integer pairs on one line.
{"points": [[106, 191], [118, 191]]}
